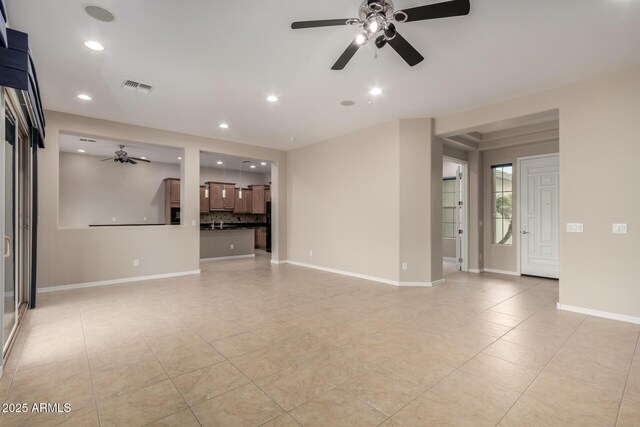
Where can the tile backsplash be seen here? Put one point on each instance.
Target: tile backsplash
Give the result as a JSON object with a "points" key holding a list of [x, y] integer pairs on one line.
{"points": [[230, 217]]}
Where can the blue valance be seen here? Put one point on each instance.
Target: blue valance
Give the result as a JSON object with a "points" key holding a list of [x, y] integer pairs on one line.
{"points": [[17, 71]]}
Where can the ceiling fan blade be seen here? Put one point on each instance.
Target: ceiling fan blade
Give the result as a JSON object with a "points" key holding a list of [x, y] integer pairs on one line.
{"points": [[108, 158], [321, 23], [131, 161], [140, 160], [346, 56], [405, 50], [438, 10]]}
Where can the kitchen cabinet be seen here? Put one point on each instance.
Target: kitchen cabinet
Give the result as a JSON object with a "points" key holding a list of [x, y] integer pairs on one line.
{"points": [[204, 199], [261, 238], [171, 200], [216, 200], [243, 205], [259, 199]]}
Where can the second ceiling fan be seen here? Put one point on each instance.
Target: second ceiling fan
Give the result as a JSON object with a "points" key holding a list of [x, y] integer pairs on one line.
{"points": [[378, 19]]}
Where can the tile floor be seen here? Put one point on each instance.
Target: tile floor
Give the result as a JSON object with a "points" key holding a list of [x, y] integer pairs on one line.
{"points": [[247, 343]]}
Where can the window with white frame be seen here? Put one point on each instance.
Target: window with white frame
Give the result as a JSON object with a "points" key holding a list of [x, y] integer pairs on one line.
{"points": [[449, 207], [502, 203]]}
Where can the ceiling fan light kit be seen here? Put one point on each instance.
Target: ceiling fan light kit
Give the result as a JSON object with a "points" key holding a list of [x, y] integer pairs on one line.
{"points": [[378, 19], [121, 156]]}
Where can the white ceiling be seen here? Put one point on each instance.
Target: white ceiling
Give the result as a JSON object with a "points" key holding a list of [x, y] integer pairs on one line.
{"points": [[216, 61]]}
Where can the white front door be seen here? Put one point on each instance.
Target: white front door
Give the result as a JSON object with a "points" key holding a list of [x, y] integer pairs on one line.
{"points": [[539, 216]]}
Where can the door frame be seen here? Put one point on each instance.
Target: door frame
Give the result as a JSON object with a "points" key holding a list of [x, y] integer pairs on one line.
{"points": [[465, 201], [518, 219]]}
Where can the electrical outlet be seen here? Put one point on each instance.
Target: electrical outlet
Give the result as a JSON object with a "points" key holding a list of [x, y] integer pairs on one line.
{"points": [[231, 246], [136, 263], [144, 219], [310, 252], [113, 219], [193, 222], [405, 266], [575, 227], [619, 228]]}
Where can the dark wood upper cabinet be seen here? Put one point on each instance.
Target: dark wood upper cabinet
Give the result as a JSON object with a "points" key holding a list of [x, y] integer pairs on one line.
{"points": [[219, 200], [259, 198], [247, 198], [204, 199], [229, 200]]}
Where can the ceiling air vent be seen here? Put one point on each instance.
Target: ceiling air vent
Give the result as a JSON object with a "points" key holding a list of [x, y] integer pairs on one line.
{"points": [[136, 86]]}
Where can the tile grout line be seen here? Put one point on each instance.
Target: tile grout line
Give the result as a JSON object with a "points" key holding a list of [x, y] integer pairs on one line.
{"points": [[480, 351], [162, 366], [542, 370], [626, 382], [86, 353]]}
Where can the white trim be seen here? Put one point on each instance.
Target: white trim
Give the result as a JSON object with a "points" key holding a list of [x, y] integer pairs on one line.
{"points": [[518, 218], [449, 258], [115, 281], [476, 270], [275, 261], [597, 313], [509, 273], [1, 371], [220, 258], [364, 276]]}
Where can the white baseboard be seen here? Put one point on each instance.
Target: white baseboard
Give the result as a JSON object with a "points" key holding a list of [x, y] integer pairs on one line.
{"points": [[598, 313], [476, 270], [220, 258], [449, 258], [275, 261], [115, 281], [508, 273], [364, 276]]}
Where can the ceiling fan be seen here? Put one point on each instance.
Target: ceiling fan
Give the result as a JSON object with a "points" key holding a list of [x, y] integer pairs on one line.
{"points": [[378, 19], [121, 156]]}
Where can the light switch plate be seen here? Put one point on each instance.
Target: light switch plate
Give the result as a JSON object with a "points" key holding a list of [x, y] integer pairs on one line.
{"points": [[575, 227], [619, 228]]}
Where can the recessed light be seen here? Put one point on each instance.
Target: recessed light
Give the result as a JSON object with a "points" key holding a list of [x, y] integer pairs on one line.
{"points": [[179, 158], [94, 45], [220, 162], [224, 126], [85, 97], [293, 138], [375, 91], [81, 151], [252, 166], [99, 13], [347, 103], [272, 98], [263, 163]]}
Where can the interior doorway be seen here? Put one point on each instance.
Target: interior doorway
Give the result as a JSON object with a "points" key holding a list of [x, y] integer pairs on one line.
{"points": [[455, 221], [538, 217]]}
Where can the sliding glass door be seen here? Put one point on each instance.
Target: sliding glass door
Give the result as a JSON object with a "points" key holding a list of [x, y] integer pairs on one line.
{"points": [[16, 196], [9, 291]]}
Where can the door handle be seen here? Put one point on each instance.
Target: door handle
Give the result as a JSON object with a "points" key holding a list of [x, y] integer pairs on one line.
{"points": [[524, 232], [7, 246]]}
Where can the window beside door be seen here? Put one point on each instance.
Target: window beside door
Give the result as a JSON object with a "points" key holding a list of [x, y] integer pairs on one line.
{"points": [[448, 207], [502, 177]]}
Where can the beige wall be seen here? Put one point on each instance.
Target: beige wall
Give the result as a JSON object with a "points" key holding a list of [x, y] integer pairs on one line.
{"points": [[248, 178], [504, 257], [71, 256], [598, 134], [95, 192], [343, 203]]}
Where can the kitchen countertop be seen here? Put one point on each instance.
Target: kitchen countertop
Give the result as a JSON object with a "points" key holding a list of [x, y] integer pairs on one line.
{"points": [[233, 226], [123, 225]]}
